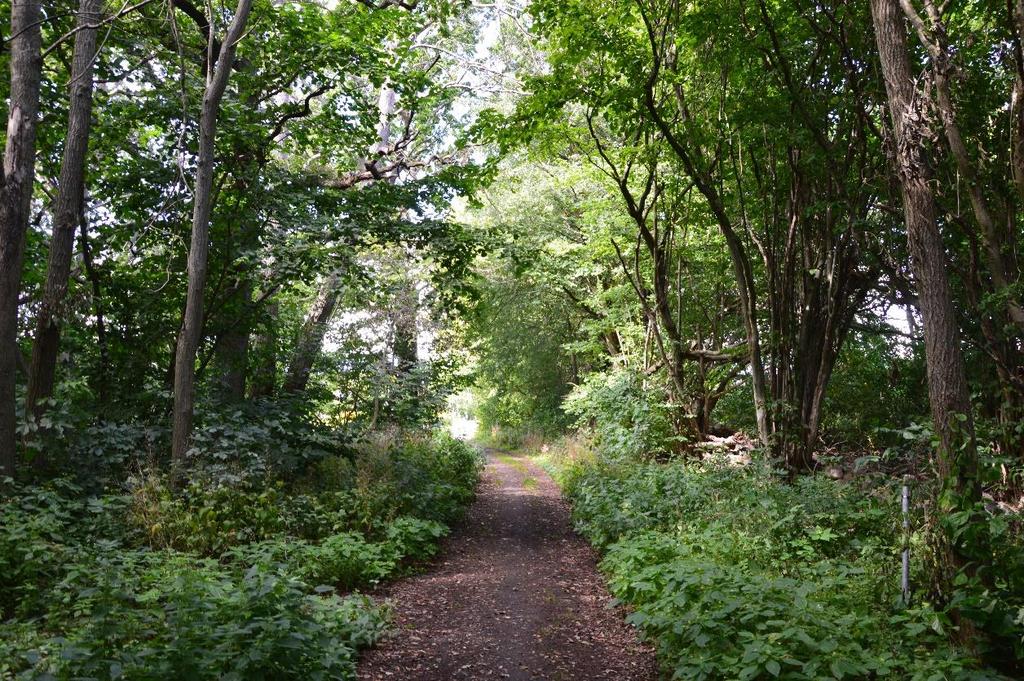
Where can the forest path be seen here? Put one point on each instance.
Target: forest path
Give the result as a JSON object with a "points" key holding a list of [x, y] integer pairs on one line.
{"points": [[516, 595]]}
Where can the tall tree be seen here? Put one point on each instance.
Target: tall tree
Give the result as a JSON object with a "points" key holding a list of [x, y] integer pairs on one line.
{"points": [[311, 336], [217, 72], [947, 378], [975, 67], [773, 133], [66, 209], [15, 204]]}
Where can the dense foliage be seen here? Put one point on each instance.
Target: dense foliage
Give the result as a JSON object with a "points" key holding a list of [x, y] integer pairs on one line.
{"points": [[224, 330], [242, 574], [733, 573], [250, 250], [787, 233]]}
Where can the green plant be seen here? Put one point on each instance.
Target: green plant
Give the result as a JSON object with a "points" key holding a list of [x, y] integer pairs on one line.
{"points": [[159, 615], [35, 526], [734, 573], [627, 421], [206, 518], [219, 579]]}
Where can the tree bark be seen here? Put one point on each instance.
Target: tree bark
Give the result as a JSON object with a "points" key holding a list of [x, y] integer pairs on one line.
{"points": [[311, 337], [264, 380], [103, 377], [233, 359], [188, 339], [66, 209], [947, 378], [935, 42], [232, 351], [15, 202]]}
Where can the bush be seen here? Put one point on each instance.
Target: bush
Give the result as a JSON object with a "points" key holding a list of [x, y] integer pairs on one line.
{"points": [[230, 576], [206, 518], [426, 477], [276, 437], [626, 420], [347, 560], [40, 529], [233, 443], [716, 619], [733, 573], [162, 615], [34, 524]]}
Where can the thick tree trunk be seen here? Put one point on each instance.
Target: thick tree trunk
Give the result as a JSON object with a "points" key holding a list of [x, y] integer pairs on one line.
{"points": [[232, 351], [264, 380], [947, 379], [15, 203], [311, 336], [233, 360], [103, 373], [199, 249], [404, 324], [66, 209]]}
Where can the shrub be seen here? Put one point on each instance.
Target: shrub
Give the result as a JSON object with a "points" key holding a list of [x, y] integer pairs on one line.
{"points": [[414, 539], [230, 577], [206, 518], [626, 420], [347, 560], [426, 477], [160, 615], [41, 528], [713, 619], [734, 573]]}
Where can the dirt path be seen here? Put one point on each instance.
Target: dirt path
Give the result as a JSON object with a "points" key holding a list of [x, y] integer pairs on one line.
{"points": [[517, 596]]}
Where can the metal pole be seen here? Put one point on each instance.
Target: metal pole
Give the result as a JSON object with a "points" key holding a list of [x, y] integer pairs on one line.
{"points": [[905, 576]]}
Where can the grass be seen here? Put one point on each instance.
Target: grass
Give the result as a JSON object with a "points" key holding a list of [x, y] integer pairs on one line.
{"points": [[515, 462]]}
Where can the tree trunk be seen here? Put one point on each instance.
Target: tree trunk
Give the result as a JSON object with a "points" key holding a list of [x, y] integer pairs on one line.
{"points": [[66, 209], [403, 347], [232, 352], [264, 380], [947, 379], [311, 337], [612, 343], [233, 359], [199, 250], [103, 377], [15, 203]]}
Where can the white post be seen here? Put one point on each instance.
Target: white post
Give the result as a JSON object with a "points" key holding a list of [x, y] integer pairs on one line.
{"points": [[905, 576]]}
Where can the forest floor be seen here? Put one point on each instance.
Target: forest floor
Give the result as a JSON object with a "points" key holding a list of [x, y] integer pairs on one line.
{"points": [[515, 595]]}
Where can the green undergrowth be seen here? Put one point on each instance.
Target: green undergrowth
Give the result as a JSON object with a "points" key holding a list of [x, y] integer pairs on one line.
{"points": [[734, 573], [226, 577], [514, 461]]}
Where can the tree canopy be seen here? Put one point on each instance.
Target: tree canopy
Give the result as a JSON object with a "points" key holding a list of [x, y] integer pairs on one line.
{"points": [[253, 253]]}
